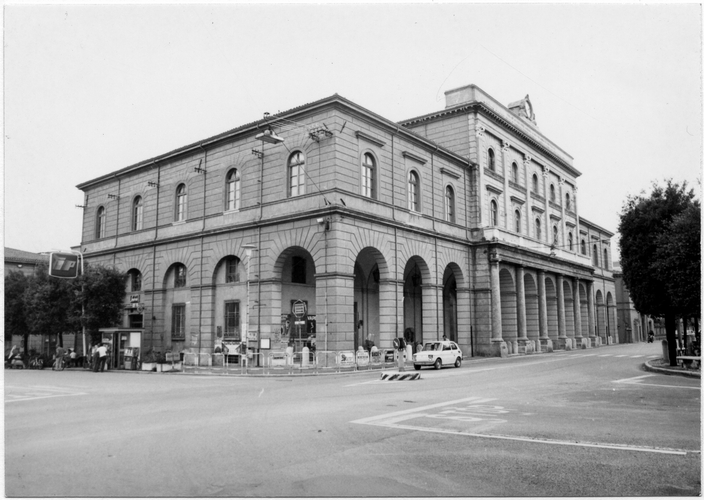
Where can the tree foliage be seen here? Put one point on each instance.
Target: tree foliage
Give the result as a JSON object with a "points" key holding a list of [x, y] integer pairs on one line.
{"points": [[660, 254], [42, 304], [15, 320]]}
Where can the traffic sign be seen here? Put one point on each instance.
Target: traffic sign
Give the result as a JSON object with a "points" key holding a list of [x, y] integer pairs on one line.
{"points": [[299, 309]]}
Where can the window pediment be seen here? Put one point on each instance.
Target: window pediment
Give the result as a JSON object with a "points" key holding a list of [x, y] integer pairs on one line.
{"points": [[370, 138], [415, 157], [494, 189]]}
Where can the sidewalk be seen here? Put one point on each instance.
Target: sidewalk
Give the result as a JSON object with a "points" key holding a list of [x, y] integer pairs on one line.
{"points": [[658, 366]]}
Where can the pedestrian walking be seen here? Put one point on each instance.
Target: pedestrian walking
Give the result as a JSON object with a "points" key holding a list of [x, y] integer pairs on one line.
{"points": [[102, 356]]}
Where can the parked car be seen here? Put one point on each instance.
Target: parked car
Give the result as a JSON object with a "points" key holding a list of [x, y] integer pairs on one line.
{"points": [[438, 354]]}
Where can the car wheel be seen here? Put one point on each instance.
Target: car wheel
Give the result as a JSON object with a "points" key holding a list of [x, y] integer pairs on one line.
{"points": [[438, 364], [458, 362], [417, 367]]}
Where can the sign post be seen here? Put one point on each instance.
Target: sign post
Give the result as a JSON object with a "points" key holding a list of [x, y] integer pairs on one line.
{"points": [[299, 310]]}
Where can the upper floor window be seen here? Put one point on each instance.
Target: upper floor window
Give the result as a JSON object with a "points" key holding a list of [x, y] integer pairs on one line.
{"points": [[181, 201], [569, 241], [413, 191], [135, 280], [296, 174], [606, 258], [232, 270], [514, 172], [492, 160], [100, 223], [137, 214], [552, 193], [584, 247], [494, 213], [232, 188], [568, 202], [535, 184], [368, 172], [537, 229], [449, 204], [298, 270], [517, 217], [179, 276], [555, 234], [595, 256]]}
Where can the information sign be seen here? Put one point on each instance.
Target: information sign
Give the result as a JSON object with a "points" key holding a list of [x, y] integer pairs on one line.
{"points": [[64, 265], [299, 309]]}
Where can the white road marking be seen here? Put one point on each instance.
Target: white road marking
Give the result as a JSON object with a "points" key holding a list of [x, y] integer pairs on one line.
{"points": [[638, 381], [621, 355], [604, 355], [38, 392], [476, 413]]}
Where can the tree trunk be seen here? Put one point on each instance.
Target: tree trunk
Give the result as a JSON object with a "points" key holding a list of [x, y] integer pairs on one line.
{"points": [[671, 336]]}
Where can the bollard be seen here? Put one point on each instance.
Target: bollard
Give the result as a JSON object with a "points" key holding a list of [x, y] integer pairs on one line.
{"points": [[399, 360], [665, 352], [305, 357]]}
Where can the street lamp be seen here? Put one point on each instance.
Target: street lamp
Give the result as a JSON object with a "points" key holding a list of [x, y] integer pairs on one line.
{"points": [[248, 248]]}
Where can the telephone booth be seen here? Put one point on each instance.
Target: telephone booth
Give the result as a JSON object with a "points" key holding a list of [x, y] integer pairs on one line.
{"points": [[122, 342]]}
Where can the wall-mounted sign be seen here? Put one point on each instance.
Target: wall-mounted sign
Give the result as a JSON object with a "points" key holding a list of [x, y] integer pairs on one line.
{"points": [[134, 299]]}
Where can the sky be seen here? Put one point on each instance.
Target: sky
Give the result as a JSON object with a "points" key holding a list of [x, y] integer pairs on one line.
{"points": [[92, 88]]}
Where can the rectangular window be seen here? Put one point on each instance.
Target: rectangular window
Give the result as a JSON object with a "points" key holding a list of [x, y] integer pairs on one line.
{"points": [[232, 320], [298, 271], [233, 271], [178, 321]]}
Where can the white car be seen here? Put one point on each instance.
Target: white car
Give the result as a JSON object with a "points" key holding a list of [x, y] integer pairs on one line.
{"points": [[438, 354]]}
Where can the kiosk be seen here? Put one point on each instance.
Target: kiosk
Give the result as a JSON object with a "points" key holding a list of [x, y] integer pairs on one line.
{"points": [[122, 341]]}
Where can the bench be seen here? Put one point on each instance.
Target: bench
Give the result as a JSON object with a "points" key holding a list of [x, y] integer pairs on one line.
{"points": [[689, 361]]}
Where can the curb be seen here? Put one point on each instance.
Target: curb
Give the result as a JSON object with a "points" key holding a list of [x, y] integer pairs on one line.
{"points": [[656, 369]]}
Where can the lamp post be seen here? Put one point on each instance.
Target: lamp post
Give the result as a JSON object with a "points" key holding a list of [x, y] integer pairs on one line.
{"points": [[248, 248]]}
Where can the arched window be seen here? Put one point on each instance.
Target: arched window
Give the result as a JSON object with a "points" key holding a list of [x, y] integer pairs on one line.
{"points": [[595, 256], [584, 247], [135, 280], [368, 173], [606, 258], [514, 172], [137, 214], [494, 213], [517, 217], [232, 270], [535, 184], [449, 204], [492, 160], [181, 201], [232, 189], [569, 240], [100, 223], [413, 191], [296, 174], [552, 193], [538, 233], [179, 276], [568, 202], [555, 234]]}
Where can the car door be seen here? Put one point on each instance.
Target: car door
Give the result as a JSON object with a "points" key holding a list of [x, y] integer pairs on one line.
{"points": [[447, 355]]}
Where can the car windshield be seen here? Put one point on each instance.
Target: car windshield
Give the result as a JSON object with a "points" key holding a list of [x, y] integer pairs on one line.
{"points": [[432, 346]]}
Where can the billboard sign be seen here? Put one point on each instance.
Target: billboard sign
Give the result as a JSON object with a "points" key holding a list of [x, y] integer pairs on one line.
{"points": [[64, 265]]}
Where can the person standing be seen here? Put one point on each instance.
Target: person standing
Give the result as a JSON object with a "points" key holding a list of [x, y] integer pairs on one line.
{"points": [[102, 356], [96, 357], [59, 358]]}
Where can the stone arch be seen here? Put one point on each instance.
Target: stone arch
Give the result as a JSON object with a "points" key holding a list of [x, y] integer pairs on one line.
{"points": [[600, 316], [584, 310], [532, 308], [611, 330], [416, 297], [551, 299], [569, 308], [509, 310], [367, 289]]}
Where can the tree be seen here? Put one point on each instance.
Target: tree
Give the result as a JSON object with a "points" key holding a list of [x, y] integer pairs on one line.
{"points": [[15, 316], [99, 295], [656, 235], [48, 301]]}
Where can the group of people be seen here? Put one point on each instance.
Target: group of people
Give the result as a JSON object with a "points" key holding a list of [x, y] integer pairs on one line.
{"points": [[99, 355], [67, 357]]}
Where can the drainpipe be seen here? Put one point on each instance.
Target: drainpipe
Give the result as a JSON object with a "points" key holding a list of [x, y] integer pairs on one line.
{"points": [[156, 233], [117, 222], [200, 293]]}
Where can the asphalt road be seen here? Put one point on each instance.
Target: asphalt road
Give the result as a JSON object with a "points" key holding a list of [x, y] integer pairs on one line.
{"points": [[580, 423]]}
